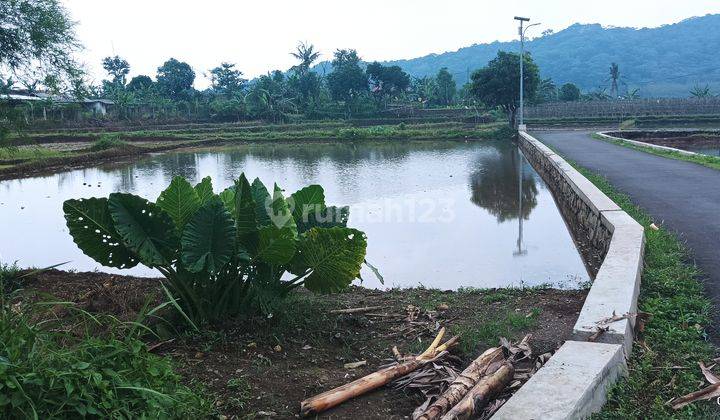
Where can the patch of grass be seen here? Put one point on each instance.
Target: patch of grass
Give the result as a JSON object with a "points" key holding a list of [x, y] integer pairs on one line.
{"points": [[92, 366], [106, 142], [705, 160], [627, 124], [675, 335], [8, 277], [242, 390], [27, 152], [426, 298], [482, 332], [496, 297]]}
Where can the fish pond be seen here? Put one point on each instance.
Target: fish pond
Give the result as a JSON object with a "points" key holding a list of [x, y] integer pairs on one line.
{"points": [[441, 214]]}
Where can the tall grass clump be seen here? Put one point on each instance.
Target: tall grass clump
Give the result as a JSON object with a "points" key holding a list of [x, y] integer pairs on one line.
{"points": [[80, 365], [107, 141]]}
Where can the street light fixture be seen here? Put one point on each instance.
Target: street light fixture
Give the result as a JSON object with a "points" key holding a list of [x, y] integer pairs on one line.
{"points": [[521, 32]]}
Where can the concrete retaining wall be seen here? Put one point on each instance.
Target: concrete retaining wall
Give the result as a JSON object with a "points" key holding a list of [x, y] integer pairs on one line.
{"points": [[573, 384], [644, 144]]}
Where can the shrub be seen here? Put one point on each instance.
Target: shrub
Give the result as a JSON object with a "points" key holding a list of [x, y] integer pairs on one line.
{"points": [[352, 133], [8, 276], [106, 142], [223, 255], [58, 369]]}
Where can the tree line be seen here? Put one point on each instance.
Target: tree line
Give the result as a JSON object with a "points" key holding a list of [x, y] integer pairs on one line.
{"points": [[352, 87], [37, 43]]}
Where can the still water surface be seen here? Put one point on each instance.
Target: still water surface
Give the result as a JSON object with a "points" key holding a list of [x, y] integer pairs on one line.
{"points": [[439, 214]]}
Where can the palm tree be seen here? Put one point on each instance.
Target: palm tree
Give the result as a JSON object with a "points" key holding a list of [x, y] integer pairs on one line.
{"points": [[701, 91], [614, 76], [306, 54], [633, 94]]}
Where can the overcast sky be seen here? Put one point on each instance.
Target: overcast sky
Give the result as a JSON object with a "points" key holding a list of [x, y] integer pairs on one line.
{"points": [[259, 34]]}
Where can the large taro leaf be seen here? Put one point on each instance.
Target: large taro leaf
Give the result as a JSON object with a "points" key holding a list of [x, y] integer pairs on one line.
{"points": [[330, 216], [334, 256], [228, 199], [180, 201], [245, 215], [145, 228], [280, 213], [263, 202], [91, 226], [208, 241], [275, 246], [305, 204], [204, 190]]}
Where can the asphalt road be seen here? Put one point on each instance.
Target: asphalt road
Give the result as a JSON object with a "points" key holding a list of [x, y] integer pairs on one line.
{"points": [[683, 196]]}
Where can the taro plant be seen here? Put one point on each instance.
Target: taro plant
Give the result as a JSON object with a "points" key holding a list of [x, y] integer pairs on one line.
{"points": [[225, 254]]}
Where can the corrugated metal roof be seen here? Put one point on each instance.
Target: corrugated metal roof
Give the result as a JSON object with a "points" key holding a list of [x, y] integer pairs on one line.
{"points": [[54, 98]]}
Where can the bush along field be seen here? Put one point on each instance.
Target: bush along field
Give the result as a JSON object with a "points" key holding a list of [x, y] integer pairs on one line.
{"points": [[59, 361]]}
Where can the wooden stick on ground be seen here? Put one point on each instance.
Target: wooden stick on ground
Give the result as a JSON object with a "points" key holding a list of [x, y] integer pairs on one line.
{"points": [[481, 394], [329, 399], [356, 310], [485, 364]]}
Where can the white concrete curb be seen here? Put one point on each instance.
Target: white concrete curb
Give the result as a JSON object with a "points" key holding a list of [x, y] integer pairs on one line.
{"points": [[643, 144], [573, 384]]}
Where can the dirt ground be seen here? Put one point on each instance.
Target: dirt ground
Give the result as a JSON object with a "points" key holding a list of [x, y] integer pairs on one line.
{"points": [[676, 139], [264, 366]]}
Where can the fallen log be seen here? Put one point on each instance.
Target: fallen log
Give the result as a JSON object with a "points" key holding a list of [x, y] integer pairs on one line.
{"points": [[481, 394], [484, 365], [334, 397]]}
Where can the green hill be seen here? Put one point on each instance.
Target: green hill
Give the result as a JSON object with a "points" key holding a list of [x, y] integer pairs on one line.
{"points": [[660, 62]]}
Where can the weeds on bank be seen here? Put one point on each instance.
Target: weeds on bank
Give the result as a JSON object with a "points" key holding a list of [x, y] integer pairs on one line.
{"points": [[26, 152], [705, 160], [324, 132], [483, 332], [8, 277], [664, 363], [106, 142], [82, 365]]}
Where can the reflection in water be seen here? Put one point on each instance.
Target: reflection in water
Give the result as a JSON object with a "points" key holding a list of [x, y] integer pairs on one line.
{"points": [[493, 187], [441, 214]]}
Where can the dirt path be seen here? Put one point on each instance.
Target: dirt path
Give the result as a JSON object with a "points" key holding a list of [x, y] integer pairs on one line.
{"points": [[684, 196]]}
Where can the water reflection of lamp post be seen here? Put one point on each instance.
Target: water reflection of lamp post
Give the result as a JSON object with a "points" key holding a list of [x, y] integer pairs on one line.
{"points": [[520, 252]]}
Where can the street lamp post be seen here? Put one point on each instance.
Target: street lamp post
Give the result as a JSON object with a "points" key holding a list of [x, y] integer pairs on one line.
{"points": [[521, 32]]}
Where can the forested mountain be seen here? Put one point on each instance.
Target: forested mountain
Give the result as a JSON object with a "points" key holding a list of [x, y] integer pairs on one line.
{"points": [[664, 61]]}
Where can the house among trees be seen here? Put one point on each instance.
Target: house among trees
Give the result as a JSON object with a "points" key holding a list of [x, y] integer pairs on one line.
{"points": [[95, 106]]}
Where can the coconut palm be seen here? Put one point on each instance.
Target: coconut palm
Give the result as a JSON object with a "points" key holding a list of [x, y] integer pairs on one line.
{"points": [[306, 54], [701, 91], [614, 77]]}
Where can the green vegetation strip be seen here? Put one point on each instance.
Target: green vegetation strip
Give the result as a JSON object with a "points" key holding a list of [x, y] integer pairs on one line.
{"points": [[308, 132], [705, 160], [82, 365], [664, 362], [27, 153]]}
